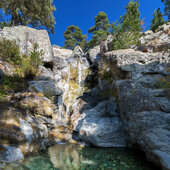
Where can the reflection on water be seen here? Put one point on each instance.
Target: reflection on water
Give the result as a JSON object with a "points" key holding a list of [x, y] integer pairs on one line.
{"points": [[73, 157]]}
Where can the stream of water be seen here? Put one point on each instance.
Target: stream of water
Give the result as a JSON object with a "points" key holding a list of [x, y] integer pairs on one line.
{"points": [[74, 157]]}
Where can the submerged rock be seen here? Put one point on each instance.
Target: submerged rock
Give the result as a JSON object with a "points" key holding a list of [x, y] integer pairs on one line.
{"points": [[10, 154]]}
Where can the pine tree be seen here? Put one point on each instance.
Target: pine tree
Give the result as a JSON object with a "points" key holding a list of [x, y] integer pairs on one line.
{"points": [[100, 30], [126, 31], [74, 37], [157, 21], [131, 19], [167, 8], [37, 13]]}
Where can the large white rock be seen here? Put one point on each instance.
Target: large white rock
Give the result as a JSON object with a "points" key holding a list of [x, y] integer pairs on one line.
{"points": [[25, 37], [156, 42]]}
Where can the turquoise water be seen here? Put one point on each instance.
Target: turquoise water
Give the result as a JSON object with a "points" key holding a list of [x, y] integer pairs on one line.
{"points": [[74, 157]]}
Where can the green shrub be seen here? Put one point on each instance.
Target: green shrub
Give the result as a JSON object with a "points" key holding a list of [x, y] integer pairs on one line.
{"points": [[35, 58], [26, 66], [126, 31], [50, 95], [2, 94], [9, 51], [157, 21], [5, 24], [11, 84], [29, 65], [163, 83]]}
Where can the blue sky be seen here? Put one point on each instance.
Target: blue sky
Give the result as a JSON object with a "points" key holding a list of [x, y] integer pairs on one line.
{"points": [[82, 12]]}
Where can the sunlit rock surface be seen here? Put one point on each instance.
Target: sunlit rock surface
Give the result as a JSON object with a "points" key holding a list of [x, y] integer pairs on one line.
{"points": [[156, 42], [22, 127], [101, 127], [26, 37], [6, 68]]}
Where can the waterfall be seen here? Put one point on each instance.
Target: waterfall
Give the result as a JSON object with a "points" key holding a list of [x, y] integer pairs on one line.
{"points": [[60, 102], [67, 109], [79, 73], [64, 96], [68, 78], [72, 89], [67, 91]]}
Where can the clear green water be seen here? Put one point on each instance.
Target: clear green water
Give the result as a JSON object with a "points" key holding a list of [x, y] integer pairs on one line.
{"points": [[74, 157]]}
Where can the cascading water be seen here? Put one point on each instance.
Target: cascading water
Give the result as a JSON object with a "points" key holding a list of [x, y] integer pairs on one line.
{"points": [[65, 88], [60, 102], [72, 89], [80, 73], [66, 93]]}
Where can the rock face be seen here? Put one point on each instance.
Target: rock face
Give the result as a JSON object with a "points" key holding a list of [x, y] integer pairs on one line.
{"points": [[26, 37], [143, 100], [23, 125], [100, 126], [156, 42], [94, 55]]}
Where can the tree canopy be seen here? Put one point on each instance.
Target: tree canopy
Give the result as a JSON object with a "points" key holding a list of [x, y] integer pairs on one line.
{"points": [[100, 30], [157, 21], [74, 37], [126, 31], [167, 8], [38, 13]]}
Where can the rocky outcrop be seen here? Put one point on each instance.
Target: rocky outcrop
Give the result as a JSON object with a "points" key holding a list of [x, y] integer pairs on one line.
{"points": [[139, 82], [100, 126], [156, 42], [93, 55], [143, 100], [24, 121], [26, 37]]}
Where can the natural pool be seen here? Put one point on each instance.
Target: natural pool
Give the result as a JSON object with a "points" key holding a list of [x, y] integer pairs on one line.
{"points": [[74, 157]]}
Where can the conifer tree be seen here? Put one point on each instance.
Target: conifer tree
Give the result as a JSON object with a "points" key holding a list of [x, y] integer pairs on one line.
{"points": [[74, 37], [167, 8], [38, 13], [100, 30], [126, 31], [157, 21]]}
